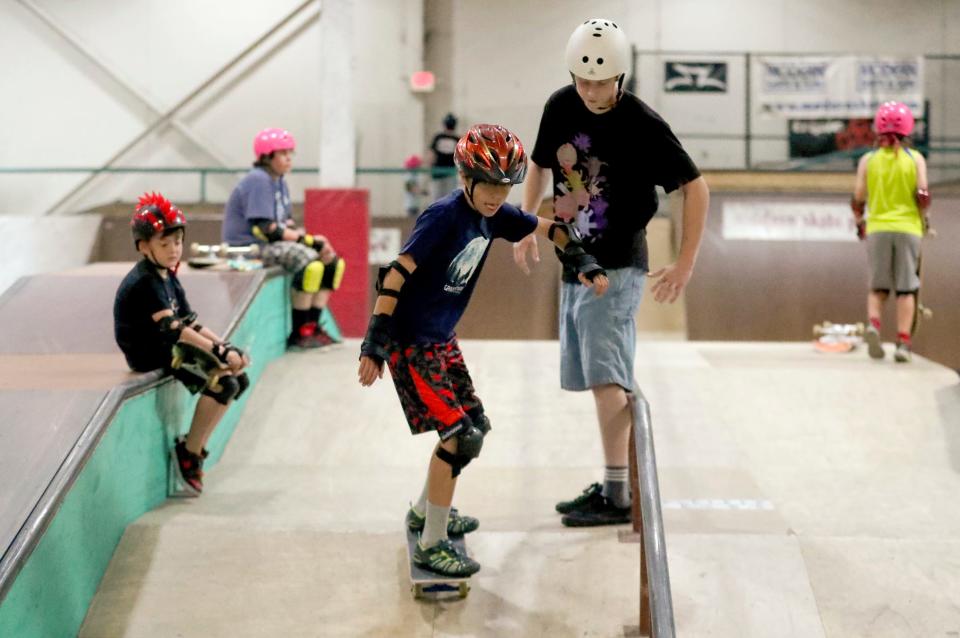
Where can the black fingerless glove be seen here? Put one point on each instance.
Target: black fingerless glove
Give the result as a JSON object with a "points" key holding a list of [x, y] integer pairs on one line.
{"points": [[576, 258], [375, 342]]}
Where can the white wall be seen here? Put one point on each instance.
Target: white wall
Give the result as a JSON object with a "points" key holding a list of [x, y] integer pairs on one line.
{"points": [[60, 110], [510, 82]]}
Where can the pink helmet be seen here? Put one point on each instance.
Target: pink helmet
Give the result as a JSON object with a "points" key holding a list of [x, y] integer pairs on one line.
{"points": [[893, 117], [272, 139], [413, 161]]}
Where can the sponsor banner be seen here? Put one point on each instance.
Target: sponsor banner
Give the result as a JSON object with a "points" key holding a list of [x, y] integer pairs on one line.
{"points": [[384, 245], [809, 138], [695, 77], [788, 221], [836, 87]]}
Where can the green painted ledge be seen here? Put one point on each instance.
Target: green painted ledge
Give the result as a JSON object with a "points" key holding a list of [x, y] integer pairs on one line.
{"points": [[126, 476]]}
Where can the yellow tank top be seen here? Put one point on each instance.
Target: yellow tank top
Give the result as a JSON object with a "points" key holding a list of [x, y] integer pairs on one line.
{"points": [[891, 192]]}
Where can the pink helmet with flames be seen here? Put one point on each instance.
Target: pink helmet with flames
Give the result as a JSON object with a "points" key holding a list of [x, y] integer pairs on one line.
{"points": [[893, 117], [272, 139]]}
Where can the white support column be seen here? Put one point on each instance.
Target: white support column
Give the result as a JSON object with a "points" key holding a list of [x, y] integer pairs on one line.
{"points": [[337, 135]]}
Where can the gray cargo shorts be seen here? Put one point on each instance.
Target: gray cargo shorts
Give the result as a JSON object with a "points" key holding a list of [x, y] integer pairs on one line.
{"points": [[893, 259]]}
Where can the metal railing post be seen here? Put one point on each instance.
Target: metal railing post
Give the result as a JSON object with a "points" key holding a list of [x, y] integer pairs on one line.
{"points": [[653, 550]]}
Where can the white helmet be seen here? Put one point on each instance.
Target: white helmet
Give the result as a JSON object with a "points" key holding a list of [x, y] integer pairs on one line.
{"points": [[597, 50]]}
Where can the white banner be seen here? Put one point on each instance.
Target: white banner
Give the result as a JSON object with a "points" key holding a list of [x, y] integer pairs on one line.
{"points": [[788, 221], [384, 246], [847, 87]]}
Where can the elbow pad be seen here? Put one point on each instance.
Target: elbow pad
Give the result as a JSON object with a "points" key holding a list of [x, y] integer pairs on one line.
{"points": [[170, 329], [923, 198], [267, 231]]}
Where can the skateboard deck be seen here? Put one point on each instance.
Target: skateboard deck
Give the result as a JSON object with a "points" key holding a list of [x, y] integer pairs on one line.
{"points": [[426, 584], [837, 337], [225, 256]]}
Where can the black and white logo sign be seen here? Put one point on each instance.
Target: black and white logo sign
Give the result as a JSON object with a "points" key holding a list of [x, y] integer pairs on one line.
{"points": [[695, 77]]}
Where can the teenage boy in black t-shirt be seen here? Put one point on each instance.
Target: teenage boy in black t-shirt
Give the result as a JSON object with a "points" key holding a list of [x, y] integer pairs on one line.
{"points": [[607, 151], [154, 326]]}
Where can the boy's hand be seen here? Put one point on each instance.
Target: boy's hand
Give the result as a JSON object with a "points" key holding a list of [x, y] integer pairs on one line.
{"points": [[236, 361], [599, 284], [673, 280], [527, 245], [369, 371]]}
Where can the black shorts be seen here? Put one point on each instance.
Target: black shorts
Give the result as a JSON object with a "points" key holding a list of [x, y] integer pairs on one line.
{"points": [[434, 386]]}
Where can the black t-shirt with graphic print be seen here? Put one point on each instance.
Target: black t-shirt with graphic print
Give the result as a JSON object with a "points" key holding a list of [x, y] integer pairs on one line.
{"points": [[143, 293], [605, 168], [449, 244]]}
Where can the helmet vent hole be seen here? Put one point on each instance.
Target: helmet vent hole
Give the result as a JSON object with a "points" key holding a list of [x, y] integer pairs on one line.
{"points": [[599, 60], [598, 35], [585, 59]]}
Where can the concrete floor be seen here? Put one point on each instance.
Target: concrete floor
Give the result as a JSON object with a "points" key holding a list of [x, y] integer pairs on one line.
{"points": [[805, 495]]}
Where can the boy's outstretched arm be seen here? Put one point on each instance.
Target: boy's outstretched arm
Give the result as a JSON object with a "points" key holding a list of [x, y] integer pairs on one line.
{"points": [[571, 253], [373, 350]]}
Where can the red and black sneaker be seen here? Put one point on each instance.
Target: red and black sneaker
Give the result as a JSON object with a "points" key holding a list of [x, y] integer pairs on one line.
{"points": [[323, 339], [189, 467]]}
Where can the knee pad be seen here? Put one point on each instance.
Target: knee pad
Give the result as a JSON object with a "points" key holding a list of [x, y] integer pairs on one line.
{"points": [[333, 274], [469, 444], [308, 279], [225, 388], [243, 382]]}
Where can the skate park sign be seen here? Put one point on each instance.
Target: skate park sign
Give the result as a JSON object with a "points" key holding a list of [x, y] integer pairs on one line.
{"points": [[769, 220]]}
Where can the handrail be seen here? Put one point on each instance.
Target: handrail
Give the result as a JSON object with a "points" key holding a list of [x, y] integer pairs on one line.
{"points": [[653, 549]]}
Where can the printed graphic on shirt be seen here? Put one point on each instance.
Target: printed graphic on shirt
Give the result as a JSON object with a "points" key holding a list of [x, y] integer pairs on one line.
{"points": [[281, 204], [582, 199], [463, 266]]}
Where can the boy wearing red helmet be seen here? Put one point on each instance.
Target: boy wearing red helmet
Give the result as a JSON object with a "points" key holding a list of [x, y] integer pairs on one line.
{"points": [[423, 293], [890, 202], [259, 211], [607, 150], [155, 328]]}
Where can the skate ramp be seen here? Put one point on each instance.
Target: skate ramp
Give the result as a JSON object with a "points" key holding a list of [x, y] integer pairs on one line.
{"points": [[804, 495]]}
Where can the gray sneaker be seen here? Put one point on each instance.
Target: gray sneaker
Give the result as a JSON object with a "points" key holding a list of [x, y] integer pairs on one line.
{"points": [[457, 525], [445, 559], [874, 347], [902, 354]]}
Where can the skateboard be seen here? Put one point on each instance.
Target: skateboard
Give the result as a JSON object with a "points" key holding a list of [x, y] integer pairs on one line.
{"points": [[232, 257], [920, 311], [426, 584], [837, 337]]}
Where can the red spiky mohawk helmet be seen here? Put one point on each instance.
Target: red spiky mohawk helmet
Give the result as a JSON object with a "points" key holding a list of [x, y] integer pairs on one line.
{"points": [[155, 214]]}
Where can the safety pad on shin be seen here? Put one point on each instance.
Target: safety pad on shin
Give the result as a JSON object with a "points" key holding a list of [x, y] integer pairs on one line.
{"points": [[243, 382], [333, 274]]}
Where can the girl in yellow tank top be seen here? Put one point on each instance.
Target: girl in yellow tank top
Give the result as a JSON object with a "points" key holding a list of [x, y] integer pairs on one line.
{"points": [[889, 202]]}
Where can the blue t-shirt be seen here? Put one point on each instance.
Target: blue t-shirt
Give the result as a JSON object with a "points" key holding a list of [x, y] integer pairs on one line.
{"points": [[449, 244], [257, 197]]}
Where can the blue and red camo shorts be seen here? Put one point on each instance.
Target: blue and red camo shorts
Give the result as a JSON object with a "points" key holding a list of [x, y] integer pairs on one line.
{"points": [[434, 386]]}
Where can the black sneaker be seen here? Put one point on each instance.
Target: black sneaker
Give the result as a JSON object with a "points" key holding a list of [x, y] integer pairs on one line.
{"points": [[597, 511], [592, 493], [189, 466]]}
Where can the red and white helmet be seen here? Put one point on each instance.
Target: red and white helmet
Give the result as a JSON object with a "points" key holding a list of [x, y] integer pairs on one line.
{"points": [[598, 50], [490, 153], [272, 139], [893, 117], [154, 215]]}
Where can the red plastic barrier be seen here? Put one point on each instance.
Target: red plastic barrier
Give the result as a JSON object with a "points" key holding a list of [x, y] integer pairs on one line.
{"points": [[343, 216]]}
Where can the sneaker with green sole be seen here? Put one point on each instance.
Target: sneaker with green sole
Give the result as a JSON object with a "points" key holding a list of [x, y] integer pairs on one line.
{"points": [[445, 559], [457, 525]]}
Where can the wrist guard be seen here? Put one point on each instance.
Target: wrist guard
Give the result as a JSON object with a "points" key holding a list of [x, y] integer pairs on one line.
{"points": [[222, 350], [573, 255], [375, 342]]}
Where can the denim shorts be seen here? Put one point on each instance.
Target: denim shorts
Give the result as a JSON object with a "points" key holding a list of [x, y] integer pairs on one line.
{"points": [[598, 335]]}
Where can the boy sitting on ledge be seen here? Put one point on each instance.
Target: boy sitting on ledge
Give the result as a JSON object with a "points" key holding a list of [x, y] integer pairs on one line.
{"points": [[155, 328]]}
